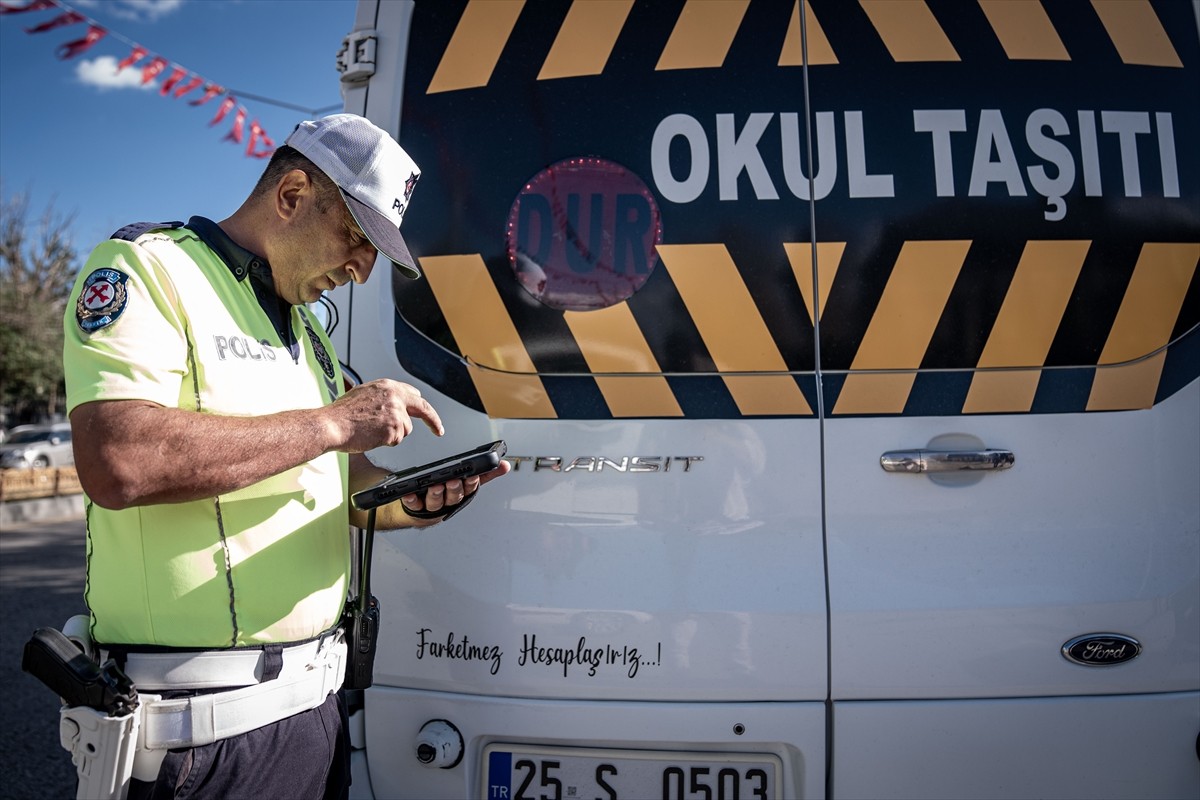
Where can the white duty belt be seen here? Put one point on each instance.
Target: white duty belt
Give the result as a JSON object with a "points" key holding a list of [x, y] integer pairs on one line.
{"points": [[309, 672]]}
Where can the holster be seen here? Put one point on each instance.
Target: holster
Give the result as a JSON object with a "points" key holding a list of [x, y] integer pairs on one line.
{"points": [[102, 749]]}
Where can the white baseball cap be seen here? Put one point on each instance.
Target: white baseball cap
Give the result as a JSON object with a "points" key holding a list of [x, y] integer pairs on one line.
{"points": [[375, 175]]}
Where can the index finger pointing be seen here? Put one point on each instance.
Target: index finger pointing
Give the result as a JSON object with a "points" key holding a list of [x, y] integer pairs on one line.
{"points": [[419, 407]]}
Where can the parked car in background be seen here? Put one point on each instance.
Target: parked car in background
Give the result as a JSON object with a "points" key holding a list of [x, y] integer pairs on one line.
{"points": [[29, 446]]}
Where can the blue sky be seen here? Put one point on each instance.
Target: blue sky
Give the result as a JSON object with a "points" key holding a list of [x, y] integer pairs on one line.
{"points": [[112, 151]]}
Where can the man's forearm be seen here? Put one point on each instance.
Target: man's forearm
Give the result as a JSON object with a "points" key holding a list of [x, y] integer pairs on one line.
{"points": [[135, 452], [132, 453]]}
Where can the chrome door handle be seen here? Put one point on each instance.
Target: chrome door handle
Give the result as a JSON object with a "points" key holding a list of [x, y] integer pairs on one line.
{"points": [[945, 460]]}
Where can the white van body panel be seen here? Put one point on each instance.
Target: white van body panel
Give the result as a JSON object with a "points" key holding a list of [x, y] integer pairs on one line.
{"points": [[1013, 563], [653, 600]]}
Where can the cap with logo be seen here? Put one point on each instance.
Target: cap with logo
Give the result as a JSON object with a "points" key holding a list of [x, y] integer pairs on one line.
{"points": [[375, 175]]}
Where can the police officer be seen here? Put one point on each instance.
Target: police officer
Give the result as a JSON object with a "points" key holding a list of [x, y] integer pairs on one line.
{"points": [[217, 448]]}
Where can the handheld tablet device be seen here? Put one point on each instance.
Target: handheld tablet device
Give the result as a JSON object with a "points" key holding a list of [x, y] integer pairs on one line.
{"points": [[417, 479]]}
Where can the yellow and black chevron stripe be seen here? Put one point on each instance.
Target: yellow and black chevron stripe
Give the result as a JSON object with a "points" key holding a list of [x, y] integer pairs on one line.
{"points": [[1127, 374], [704, 30]]}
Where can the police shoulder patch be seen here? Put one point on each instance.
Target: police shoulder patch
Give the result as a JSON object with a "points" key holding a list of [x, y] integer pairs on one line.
{"points": [[102, 300]]}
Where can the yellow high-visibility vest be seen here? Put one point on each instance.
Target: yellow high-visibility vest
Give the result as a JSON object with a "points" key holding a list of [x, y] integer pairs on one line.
{"points": [[164, 318]]}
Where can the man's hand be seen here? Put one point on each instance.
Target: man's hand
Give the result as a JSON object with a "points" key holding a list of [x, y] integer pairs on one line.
{"points": [[451, 493], [436, 498], [377, 414]]}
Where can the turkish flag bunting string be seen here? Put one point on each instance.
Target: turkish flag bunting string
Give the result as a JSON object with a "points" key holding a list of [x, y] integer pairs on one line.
{"points": [[179, 83]]}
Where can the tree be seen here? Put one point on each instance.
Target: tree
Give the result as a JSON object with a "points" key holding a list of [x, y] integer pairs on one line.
{"points": [[38, 264]]}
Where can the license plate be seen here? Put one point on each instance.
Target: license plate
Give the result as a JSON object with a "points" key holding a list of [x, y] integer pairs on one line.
{"points": [[520, 772]]}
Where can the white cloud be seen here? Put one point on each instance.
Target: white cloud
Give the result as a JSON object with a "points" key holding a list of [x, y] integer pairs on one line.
{"points": [[149, 10], [101, 72], [153, 8]]}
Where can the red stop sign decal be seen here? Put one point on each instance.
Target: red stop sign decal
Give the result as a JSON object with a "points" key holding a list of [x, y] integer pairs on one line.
{"points": [[582, 234]]}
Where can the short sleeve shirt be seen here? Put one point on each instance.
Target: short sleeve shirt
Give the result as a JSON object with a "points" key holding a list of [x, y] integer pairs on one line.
{"points": [[165, 318]]}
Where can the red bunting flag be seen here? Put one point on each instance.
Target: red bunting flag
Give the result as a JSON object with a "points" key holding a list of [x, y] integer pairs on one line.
{"points": [[226, 104], [257, 134], [187, 87], [71, 49], [235, 133], [36, 5], [135, 55], [169, 84], [151, 70], [210, 91], [69, 18]]}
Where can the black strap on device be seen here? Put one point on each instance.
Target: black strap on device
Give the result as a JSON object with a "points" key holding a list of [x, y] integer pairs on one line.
{"points": [[361, 618]]}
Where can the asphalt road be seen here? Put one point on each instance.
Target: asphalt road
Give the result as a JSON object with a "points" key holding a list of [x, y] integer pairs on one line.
{"points": [[41, 585]]}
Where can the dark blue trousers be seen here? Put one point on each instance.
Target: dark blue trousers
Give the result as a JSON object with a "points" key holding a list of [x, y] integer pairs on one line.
{"points": [[301, 757]]}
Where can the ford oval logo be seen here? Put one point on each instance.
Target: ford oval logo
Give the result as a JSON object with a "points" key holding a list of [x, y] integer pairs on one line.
{"points": [[1101, 649]]}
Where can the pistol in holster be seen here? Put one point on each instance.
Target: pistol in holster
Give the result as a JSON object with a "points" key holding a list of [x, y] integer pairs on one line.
{"points": [[101, 713]]}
